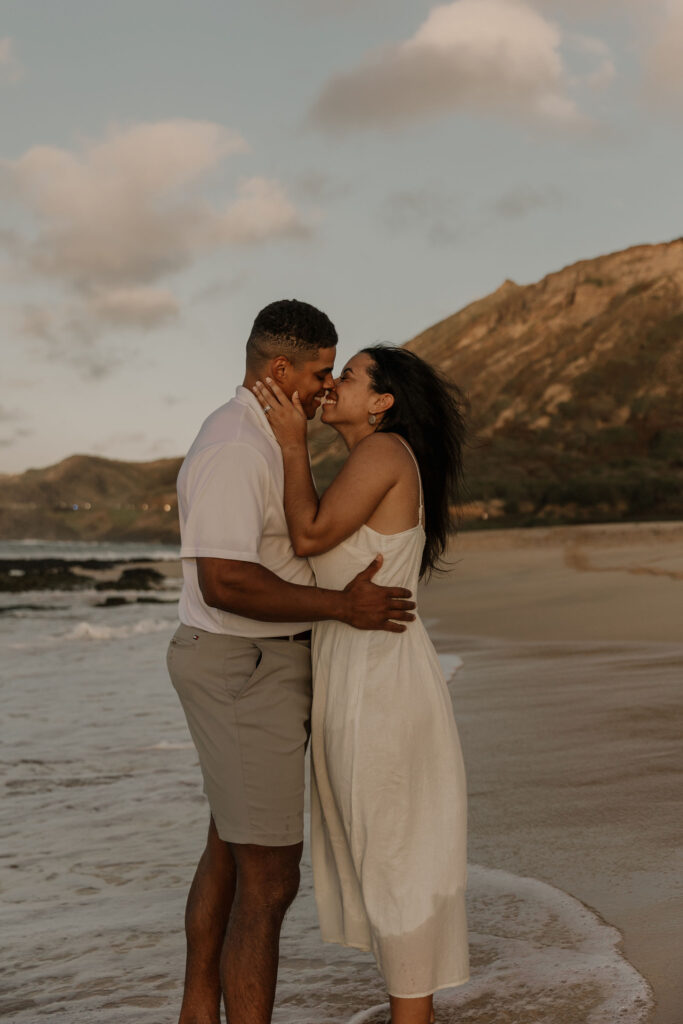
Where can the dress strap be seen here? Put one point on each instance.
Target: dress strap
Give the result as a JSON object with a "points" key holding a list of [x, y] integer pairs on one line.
{"points": [[419, 476]]}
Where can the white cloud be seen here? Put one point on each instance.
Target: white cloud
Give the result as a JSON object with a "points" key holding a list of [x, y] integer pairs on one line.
{"points": [[657, 39], [117, 216], [663, 59], [10, 68], [493, 56], [604, 71], [125, 212], [582, 8], [134, 307], [261, 211]]}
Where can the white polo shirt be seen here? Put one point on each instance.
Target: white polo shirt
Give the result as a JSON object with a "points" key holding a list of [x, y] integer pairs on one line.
{"points": [[230, 504]]}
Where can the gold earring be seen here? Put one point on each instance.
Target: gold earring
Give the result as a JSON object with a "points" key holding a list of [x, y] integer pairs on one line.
{"points": [[372, 419]]}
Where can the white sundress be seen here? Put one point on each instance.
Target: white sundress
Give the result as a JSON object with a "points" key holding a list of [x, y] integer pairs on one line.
{"points": [[388, 790]]}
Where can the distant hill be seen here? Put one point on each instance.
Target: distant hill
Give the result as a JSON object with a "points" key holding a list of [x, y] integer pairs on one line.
{"points": [[91, 498], [576, 392]]}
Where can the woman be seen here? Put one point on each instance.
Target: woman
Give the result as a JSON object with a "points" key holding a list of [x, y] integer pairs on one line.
{"points": [[388, 811]]}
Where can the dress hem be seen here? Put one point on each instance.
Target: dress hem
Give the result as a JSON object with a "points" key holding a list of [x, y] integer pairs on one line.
{"points": [[421, 995], [349, 945], [400, 995]]}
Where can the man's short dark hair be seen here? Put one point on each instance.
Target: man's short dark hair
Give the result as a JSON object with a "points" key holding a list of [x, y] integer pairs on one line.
{"points": [[289, 328]]}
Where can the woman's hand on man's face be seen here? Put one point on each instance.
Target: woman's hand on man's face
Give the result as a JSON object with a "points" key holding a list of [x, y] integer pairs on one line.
{"points": [[286, 417]]}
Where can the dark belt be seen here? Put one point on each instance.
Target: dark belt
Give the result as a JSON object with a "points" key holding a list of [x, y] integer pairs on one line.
{"points": [[305, 635]]}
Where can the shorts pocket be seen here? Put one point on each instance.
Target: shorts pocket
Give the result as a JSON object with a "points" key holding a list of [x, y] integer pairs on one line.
{"points": [[184, 640], [239, 666]]}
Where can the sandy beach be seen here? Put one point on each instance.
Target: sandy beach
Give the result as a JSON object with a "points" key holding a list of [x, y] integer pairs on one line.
{"points": [[570, 707], [564, 657]]}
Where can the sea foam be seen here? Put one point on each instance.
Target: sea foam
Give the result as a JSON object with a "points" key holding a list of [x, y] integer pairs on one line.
{"points": [[538, 956], [168, 745], [97, 631], [450, 663]]}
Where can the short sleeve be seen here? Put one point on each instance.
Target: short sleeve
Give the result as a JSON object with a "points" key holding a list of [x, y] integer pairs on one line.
{"points": [[227, 493]]}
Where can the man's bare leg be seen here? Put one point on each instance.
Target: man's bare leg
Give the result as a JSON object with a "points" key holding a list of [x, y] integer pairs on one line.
{"points": [[267, 882], [206, 918]]}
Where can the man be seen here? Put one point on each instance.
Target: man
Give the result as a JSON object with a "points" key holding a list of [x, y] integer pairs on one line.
{"points": [[240, 663]]}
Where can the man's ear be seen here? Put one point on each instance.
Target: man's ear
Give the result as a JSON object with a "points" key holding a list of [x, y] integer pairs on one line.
{"points": [[280, 367]]}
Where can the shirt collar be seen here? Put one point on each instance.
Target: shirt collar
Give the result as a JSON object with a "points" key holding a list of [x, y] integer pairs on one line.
{"points": [[246, 397]]}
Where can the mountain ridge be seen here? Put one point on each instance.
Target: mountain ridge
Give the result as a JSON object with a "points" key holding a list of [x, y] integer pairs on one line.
{"points": [[575, 389]]}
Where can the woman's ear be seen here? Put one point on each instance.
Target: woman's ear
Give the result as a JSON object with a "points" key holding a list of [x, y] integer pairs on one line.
{"points": [[382, 403]]}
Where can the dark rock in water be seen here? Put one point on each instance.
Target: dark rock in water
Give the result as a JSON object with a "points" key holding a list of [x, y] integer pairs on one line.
{"points": [[29, 608], [112, 602], [155, 600], [23, 574], [134, 579], [39, 574]]}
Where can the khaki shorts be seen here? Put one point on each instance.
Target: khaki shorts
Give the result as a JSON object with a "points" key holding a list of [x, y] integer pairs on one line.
{"points": [[247, 704]]}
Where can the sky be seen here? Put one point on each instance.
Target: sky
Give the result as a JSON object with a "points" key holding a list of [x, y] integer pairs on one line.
{"points": [[167, 169]]}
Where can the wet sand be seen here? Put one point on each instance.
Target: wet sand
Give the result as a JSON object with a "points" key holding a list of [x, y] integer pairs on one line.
{"points": [[570, 709]]}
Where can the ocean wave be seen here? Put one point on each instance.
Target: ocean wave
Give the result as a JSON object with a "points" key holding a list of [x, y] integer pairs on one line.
{"points": [[75, 550], [63, 600], [544, 947], [537, 954], [96, 631], [168, 745], [450, 663]]}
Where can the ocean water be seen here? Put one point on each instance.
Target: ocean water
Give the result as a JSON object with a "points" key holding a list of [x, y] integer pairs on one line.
{"points": [[77, 549], [103, 819]]}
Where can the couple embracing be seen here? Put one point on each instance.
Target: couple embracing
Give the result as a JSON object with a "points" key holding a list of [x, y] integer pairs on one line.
{"points": [[297, 619]]}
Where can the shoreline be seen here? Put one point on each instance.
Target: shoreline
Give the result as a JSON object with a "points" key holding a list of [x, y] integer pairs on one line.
{"points": [[569, 709]]}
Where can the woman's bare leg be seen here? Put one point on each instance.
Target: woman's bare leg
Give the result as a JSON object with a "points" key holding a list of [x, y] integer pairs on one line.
{"points": [[412, 1011]]}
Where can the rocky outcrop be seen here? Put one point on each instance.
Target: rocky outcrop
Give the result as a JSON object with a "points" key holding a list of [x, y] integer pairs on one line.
{"points": [[597, 345], [31, 574], [575, 387]]}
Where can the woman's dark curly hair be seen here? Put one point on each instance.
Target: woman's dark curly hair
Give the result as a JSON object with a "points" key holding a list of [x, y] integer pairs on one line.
{"points": [[429, 412]]}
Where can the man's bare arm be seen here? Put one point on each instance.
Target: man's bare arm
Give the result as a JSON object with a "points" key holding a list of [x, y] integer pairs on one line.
{"points": [[248, 589]]}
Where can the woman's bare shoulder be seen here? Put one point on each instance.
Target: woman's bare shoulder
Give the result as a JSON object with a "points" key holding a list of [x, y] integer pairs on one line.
{"points": [[385, 451], [381, 445]]}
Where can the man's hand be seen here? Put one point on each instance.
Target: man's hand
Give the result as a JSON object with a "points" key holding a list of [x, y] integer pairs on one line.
{"points": [[372, 607]]}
